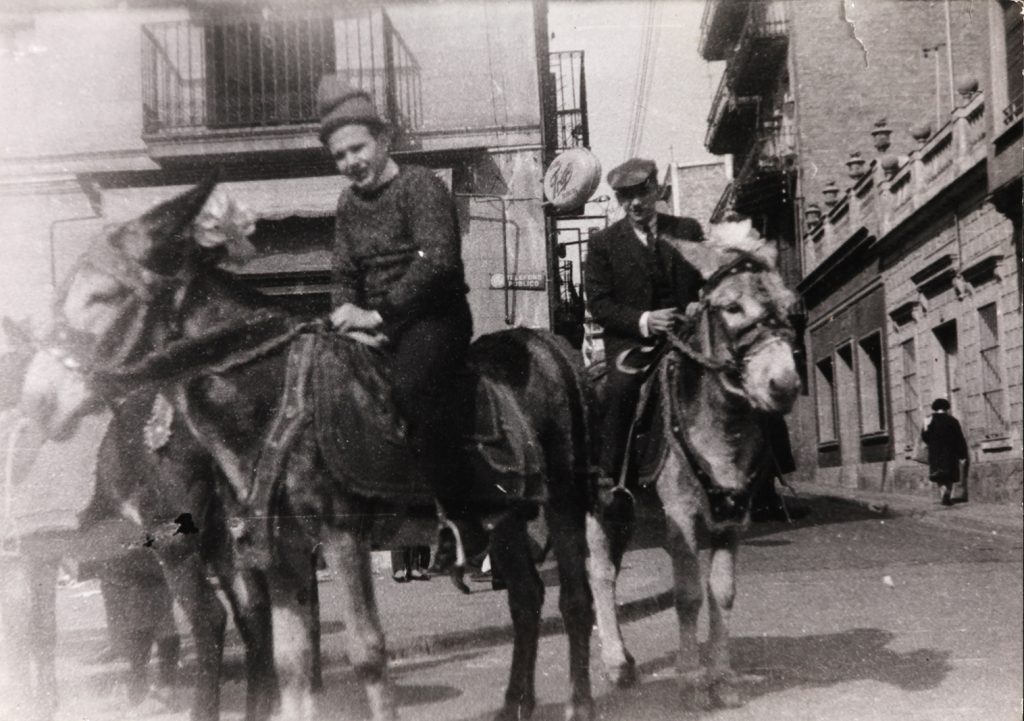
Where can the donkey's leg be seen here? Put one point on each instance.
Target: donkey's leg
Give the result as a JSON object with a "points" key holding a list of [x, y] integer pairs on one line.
{"points": [[681, 540], [293, 655], [42, 622], [15, 612], [511, 558], [568, 534], [721, 593], [603, 564], [248, 593], [348, 555], [186, 577]]}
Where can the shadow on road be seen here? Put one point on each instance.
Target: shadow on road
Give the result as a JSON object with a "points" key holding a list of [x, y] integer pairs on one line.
{"points": [[821, 511], [784, 663]]}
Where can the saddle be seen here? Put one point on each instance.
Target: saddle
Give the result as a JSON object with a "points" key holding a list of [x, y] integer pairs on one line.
{"points": [[344, 389]]}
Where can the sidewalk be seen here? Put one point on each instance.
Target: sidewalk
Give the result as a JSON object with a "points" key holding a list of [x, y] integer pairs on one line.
{"points": [[990, 518]]}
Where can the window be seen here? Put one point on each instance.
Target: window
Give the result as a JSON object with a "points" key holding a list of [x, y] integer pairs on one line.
{"points": [[825, 388], [991, 371], [871, 384], [911, 398], [1013, 24], [947, 382], [266, 71]]}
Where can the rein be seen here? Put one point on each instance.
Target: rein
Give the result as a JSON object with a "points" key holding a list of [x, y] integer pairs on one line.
{"points": [[224, 347]]}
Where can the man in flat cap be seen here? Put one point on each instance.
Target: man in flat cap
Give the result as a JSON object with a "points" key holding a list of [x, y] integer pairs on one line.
{"points": [[398, 270], [634, 283]]}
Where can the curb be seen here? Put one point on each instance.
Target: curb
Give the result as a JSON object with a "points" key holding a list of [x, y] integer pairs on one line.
{"points": [[990, 519]]}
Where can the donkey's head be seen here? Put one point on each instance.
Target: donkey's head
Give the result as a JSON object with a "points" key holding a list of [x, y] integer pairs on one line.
{"points": [[104, 311], [742, 316]]}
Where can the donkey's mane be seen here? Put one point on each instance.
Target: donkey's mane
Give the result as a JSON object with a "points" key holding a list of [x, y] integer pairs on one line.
{"points": [[731, 239]]}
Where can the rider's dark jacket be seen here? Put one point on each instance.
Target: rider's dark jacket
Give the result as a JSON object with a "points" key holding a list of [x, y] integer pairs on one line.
{"points": [[624, 278]]}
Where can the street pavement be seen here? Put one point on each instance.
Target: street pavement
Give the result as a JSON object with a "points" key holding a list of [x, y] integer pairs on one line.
{"points": [[872, 606]]}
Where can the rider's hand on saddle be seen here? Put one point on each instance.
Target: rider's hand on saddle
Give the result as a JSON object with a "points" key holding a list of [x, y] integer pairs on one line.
{"points": [[661, 321], [349, 317]]}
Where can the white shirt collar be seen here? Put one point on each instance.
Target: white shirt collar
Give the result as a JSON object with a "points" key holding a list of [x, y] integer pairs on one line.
{"points": [[639, 232]]}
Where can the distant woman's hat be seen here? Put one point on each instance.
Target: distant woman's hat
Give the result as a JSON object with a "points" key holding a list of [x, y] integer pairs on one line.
{"points": [[339, 104], [940, 404]]}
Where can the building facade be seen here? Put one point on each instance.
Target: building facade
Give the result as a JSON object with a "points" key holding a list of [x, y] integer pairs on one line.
{"points": [[902, 242], [114, 106]]}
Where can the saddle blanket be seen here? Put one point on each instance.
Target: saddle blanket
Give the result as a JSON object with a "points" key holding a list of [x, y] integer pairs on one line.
{"points": [[364, 441]]}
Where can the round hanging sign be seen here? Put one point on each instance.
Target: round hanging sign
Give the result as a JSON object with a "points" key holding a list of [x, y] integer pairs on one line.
{"points": [[571, 179]]}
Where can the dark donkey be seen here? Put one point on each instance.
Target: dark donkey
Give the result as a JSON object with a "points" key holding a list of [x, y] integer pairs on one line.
{"points": [[153, 474], [148, 283]]}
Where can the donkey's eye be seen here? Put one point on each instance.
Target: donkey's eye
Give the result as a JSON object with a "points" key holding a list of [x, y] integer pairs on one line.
{"points": [[733, 308]]}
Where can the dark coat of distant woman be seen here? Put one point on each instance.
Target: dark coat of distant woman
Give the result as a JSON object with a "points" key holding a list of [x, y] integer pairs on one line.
{"points": [[946, 448]]}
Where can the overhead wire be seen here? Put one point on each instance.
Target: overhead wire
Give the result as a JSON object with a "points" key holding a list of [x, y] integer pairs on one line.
{"points": [[641, 84]]}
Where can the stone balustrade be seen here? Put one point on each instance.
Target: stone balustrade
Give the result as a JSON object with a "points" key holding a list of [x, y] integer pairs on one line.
{"points": [[877, 204]]}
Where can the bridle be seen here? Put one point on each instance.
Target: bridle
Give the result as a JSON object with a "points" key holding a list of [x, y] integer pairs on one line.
{"points": [[740, 343], [727, 505]]}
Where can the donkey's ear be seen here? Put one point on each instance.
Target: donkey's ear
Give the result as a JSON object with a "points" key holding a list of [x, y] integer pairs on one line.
{"points": [[157, 238], [171, 217]]}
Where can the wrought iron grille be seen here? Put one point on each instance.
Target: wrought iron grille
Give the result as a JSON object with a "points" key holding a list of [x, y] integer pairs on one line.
{"points": [[570, 89], [251, 72]]}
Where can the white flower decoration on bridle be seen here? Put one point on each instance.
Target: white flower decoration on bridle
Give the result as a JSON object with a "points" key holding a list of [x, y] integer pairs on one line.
{"points": [[226, 224]]}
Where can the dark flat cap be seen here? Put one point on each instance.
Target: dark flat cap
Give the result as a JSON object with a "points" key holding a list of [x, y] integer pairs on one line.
{"points": [[340, 104], [634, 171]]}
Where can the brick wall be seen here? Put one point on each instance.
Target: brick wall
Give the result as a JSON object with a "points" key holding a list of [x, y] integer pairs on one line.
{"points": [[844, 85]]}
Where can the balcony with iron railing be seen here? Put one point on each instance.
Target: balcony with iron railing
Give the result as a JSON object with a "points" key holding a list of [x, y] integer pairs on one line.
{"points": [[882, 199], [569, 86], [760, 48], [249, 84], [731, 121], [720, 26]]}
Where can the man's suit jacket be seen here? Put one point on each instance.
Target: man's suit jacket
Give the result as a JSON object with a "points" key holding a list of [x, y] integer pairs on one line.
{"points": [[619, 283]]}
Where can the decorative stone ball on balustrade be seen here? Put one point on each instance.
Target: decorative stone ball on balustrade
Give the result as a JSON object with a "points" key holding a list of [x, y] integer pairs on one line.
{"points": [[855, 166], [921, 131], [967, 87], [881, 134], [890, 164], [831, 193], [812, 216]]}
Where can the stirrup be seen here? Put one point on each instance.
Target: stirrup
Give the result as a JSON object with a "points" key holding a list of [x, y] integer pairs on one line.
{"points": [[451, 551]]}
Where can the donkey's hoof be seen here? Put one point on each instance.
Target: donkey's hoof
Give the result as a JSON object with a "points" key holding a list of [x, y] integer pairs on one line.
{"points": [[695, 691], [624, 675], [725, 695], [520, 711], [581, 711]]}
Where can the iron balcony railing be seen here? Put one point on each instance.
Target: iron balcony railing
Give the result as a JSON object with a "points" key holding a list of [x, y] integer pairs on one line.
{"points": [[569, 81], [260, 72], [1014, 110], [760, 47]]}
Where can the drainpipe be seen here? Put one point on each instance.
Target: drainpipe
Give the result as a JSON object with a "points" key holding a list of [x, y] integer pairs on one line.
{"points": [[95, 198], [53, 247]]}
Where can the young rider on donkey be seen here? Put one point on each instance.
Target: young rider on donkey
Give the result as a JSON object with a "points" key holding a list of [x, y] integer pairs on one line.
{"points": [[398, 272]]}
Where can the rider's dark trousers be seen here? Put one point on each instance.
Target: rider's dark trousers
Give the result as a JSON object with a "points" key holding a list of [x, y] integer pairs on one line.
{"points": [[622, 393], [430, 354]]}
